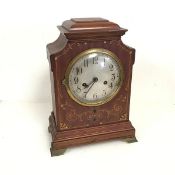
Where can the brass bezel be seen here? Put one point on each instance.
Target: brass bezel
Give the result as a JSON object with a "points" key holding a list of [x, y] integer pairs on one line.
{"points": [[79, 56]]}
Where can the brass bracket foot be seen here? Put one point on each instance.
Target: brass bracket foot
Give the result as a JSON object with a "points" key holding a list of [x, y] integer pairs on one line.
{"points": [[57, 152], [131, 140]]}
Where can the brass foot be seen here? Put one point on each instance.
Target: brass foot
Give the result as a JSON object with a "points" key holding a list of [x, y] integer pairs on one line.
{"points": [[131, 140], [57, 152]]}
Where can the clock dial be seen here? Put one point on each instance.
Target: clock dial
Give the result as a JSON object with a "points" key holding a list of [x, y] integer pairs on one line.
{"points": [[94, 77]]}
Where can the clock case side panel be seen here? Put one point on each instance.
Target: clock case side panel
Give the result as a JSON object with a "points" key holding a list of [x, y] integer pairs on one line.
{"points": [[131, 52], [132, 56], [53, 49]]}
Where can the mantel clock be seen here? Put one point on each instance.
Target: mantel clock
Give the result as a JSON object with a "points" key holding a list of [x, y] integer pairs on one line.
{"points": [[90, 70]]}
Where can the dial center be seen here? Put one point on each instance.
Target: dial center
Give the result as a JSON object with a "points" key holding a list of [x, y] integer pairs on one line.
{"points": [[95, 79]]}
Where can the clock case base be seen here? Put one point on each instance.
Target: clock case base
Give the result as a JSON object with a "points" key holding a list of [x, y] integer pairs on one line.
{"points": [[67, 138]]}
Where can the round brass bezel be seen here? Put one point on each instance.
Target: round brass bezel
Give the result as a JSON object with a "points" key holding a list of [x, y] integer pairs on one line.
{"points": [[79, 56]]}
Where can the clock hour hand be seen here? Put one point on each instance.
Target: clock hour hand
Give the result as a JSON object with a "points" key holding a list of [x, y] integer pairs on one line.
{"points": [[85, 85]]}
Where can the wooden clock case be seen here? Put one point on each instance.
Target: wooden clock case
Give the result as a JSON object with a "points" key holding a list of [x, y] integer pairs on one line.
{"points": [[70, 123]]}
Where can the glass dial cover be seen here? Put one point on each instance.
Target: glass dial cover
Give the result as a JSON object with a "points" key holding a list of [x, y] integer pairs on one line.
{"points": [[94, 77]]}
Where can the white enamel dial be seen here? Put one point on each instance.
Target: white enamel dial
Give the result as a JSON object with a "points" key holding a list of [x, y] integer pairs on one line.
{"points": [[94, 77]]}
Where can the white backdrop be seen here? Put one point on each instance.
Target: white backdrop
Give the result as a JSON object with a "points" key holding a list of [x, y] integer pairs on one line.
{"points": [[25, 29]]}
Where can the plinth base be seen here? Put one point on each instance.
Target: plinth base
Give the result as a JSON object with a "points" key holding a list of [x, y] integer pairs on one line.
{"points": [[67, 138]]}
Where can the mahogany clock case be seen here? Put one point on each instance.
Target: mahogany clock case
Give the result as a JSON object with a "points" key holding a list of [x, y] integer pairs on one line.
{"points": [[70, 123]]}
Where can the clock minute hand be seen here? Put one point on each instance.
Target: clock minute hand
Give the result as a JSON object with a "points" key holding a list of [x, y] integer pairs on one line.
{"points": [[95, 79], [89, 89], [87, 85]]}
